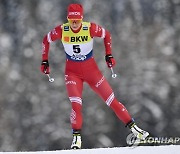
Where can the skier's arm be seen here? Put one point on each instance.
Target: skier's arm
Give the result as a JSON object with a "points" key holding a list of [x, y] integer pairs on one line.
{"points": [[98, 31], [53, 35]]}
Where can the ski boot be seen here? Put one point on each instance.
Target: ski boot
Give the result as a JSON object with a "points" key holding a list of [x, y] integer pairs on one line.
{"points": [[139, 133], [76, 143]]}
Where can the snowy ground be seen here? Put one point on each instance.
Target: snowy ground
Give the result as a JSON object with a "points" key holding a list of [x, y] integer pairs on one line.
{"points": [[171, 149]]}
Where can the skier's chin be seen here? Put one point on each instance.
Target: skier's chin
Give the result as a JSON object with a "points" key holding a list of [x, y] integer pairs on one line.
{"points": [[75, 27]]}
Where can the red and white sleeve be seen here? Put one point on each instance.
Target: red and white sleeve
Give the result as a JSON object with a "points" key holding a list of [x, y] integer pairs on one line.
{"points": [[53, 35], [98, 31]]}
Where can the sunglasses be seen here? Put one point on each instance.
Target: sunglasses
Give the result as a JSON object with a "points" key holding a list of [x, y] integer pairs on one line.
{"points": [[74, 21]]}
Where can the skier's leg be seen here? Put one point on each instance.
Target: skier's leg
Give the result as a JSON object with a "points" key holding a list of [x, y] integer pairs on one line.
{"points": [[74, 87], [100, 85]]}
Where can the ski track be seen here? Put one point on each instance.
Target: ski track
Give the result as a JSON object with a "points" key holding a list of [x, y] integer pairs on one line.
{"points": [[170, 149]]}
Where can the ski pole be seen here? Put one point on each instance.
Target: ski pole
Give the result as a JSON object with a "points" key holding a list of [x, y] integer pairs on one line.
{"points": [[50, 79], [113, 74]]}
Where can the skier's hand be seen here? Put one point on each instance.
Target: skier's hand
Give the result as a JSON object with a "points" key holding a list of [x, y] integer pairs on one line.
{"points": [[110, 60], [45, 67]]}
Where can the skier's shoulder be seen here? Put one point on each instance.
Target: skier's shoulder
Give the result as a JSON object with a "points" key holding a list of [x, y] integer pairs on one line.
{"points": [[55, 33], [59, 26], [95, 27], [93, 24]]}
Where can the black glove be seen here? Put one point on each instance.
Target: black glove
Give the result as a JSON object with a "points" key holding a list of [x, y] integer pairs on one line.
{"points": [[45, 67], [110, 60]]}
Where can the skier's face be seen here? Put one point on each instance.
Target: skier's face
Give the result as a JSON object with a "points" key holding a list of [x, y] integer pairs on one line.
{"points": [[75, 24]]}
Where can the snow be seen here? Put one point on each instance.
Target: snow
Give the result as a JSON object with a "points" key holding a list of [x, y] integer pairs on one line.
{"points": [[170, 149]]}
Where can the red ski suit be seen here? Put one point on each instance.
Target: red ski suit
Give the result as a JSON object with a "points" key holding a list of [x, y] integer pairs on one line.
{"points": [[81, 67]]}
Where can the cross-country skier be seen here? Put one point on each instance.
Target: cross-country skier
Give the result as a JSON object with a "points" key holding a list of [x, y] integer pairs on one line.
{"points": [[77, 38]]}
